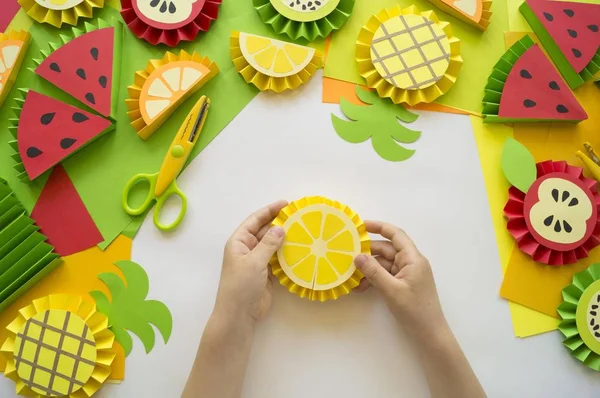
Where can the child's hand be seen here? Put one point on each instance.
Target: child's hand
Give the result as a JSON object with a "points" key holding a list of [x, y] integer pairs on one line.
{"points": [[245, 287], [404, 277]]}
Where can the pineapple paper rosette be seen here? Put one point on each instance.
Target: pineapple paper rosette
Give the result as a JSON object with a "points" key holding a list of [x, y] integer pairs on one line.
{"points": [[322, 238], [59, 345], [407, 55], [57, 12]]}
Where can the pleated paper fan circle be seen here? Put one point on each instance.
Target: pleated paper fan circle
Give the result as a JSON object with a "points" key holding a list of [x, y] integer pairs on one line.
{"points": [[273, 65], [59, 346], [580, 313], [169, 21], [164, 85], [408, 56], [322, 238], [57, 12], [304, 19]]}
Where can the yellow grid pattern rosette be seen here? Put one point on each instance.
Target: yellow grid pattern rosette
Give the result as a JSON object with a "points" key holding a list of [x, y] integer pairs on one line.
{"points": [[408, 56], [56, 12], [273, 65], [316, 260], [59, 346]]}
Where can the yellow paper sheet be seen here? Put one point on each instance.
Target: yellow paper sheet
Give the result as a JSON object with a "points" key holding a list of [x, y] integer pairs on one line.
{"points": [[78, 275]]}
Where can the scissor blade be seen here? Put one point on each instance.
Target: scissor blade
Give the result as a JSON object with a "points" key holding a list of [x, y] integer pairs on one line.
{"points": [[199, 122]]}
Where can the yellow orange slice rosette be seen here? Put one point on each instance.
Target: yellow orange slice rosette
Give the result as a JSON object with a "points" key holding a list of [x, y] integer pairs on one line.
{"points": [[13, 47], [322, 238]]}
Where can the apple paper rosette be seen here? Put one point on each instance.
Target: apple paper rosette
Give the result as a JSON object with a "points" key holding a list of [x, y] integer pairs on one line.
{"points": [[169, 21], [304, 19], [579, 311], [552, 209], [56, 13], [408, 56]]}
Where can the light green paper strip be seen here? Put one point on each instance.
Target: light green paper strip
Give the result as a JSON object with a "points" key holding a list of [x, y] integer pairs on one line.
{"points": [[479, 50]]}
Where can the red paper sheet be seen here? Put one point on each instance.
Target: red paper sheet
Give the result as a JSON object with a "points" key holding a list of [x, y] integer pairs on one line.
{"points": [[62, 216], [9, 10]]}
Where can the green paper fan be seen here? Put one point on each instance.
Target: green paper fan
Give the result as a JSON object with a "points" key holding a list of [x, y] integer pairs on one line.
{"points": [[319, 19], [13, 127], [580, 316]]}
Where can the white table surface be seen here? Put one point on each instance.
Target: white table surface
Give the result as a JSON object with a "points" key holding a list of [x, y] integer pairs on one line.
{"points": [[285, 147]]}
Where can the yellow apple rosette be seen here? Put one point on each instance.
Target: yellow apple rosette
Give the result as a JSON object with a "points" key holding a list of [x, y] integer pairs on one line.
{"points": [[322, 238], [57, 12]]}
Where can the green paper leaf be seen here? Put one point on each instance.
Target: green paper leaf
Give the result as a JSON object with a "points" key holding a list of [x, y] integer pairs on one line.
{"points": [[123, 338], [518, 165]]}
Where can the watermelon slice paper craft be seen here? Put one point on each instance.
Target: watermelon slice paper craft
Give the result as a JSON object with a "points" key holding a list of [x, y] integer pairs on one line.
{"points": [[47, 131], [570, 33], [525, 87], [86, 65]]}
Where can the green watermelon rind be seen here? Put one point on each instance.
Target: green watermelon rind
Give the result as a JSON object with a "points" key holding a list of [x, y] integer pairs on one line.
{"points": [[572, 78], [118, 45]]}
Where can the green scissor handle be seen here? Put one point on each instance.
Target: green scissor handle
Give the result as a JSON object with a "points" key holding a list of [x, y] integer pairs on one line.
{"points": [[151, 179], [172, 190]]}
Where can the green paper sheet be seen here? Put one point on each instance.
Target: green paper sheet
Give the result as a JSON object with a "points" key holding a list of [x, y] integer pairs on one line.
{"points": [[479, 50], [518, 165]]}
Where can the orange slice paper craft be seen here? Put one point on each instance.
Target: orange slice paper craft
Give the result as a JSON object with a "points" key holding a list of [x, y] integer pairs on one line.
{"points": [[13, 46], [473, 12]]}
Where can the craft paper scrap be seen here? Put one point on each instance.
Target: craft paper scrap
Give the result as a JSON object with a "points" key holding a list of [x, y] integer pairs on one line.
{"points": [[570, 34], [273, 65], [316, 260], [408, 56], [379, 122], [304, 19], [77, 276], [59, 346], [473, 12], [62, 216], [56, 13], [525, 87], [13, 47], [129, 311], [86, 65], [163, 86], [169, 22], [9, 10]]}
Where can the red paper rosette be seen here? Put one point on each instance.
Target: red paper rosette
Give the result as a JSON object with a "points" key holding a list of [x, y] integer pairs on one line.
{"points": [[168, 22], [557, 221]]}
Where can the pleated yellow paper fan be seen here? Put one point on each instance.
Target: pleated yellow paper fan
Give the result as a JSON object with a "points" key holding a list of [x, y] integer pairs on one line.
{"points": [[57, 12], [408, 56], [273, 65], [164, 85], [322, 239], [59, 346]]}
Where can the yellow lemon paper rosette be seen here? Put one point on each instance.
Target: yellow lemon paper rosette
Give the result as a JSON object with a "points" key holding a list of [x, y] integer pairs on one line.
{"points": [[59, 345], [57, 12], [322, 238], [408, 56]]}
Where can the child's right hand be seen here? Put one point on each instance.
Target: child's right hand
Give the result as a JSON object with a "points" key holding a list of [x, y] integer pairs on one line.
{"points": [[404, 278]]}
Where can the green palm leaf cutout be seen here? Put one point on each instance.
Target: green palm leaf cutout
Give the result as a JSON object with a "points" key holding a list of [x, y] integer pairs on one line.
{"points": [[129, 311], [378, 121], [518, 165]]}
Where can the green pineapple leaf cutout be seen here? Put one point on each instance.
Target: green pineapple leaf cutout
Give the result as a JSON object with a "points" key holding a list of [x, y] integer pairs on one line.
{"points": [[129, 311], [379, 122]]}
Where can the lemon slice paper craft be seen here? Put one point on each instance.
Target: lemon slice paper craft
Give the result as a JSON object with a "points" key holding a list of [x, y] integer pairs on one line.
{"points": [[474, 12], [322, 238], [165, 84], [59, 346], [273, 65], [408, 56], [13, 46], [304, 19], [57, 12]]}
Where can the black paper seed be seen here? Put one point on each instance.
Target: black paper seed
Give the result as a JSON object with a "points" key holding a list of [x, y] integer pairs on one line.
{"points": [[292, 4], [594, 313], [79, 117], [548, 16], [548, 221], [594, 306], [596, 327], [557, 227], [33, 152], [103, 81], [592, 322], [303, 7], [597, 334], [562, 109], [309, 4], [81, 73], [576, 53], [554, 85], [529, 103], [318, 3], [555, 194], [54, 66], [572, 33], [593, 28], [90, 98], [172, 8], [67, 143], [154, 3], [573, 202], [567, 227], [94, 52], [47, 118], [163, 7], [565, 195], [569, 12], [525, 74]]}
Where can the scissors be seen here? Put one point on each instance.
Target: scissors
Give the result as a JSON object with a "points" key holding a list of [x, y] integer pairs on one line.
{"points": [[592, 161], [163, 184]]}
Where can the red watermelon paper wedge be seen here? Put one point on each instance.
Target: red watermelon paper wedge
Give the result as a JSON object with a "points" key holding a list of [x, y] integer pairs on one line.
{"points": [[525, 87], [86, 67], [570, 33], [47, 131]]}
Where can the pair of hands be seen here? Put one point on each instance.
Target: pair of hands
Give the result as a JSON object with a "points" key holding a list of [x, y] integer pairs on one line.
{"points": [[396, 269]]}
